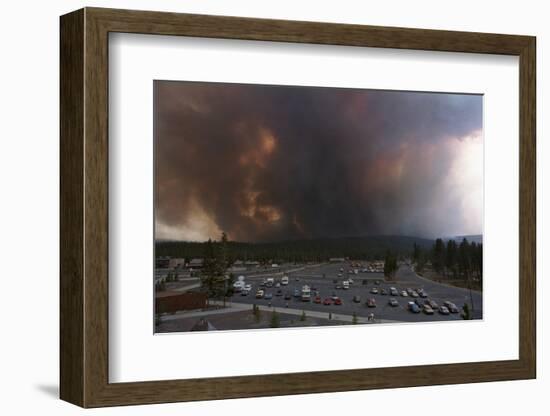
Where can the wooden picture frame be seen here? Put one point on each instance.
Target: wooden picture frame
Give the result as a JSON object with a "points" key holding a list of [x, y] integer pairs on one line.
{"points": [[84, 207]]}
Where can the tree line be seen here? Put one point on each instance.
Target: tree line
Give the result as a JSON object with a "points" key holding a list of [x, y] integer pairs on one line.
{"points": [[452, 260], [298, 251]]}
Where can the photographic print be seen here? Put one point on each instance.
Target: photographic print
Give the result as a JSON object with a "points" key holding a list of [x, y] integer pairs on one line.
{"points": [[302, 206]]}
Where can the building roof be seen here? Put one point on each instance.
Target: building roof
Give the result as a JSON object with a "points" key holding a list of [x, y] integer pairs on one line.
{"points": [[166, 294]]}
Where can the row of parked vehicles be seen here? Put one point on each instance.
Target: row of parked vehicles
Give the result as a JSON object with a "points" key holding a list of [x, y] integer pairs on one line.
{"points": [[240, 286], [306, 294], [421, 302], [430, 306]]}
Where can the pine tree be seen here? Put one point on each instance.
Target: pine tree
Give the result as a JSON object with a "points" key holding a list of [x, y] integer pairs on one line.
{"points": [[390, 265], [416, 252], [451, 257], [464, 263], [438, 256], [213, 275]]}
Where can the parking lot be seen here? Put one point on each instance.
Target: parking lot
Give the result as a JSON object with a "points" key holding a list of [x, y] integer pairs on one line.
{"points": [[325, 282]]}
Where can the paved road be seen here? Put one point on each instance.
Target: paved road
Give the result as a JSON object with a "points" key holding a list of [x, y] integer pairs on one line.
{"points": [[239, 307], [321, 278]]}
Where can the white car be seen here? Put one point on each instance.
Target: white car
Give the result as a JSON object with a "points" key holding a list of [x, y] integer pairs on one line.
{"points": [[404, 293]]}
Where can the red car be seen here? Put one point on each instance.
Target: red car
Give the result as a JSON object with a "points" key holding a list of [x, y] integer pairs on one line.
{"points": [[337, 301], [371, 303], [317, 299], [327, 301]]}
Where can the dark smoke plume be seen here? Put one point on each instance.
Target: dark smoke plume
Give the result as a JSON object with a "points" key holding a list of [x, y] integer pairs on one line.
{"points": [[267, 163]]}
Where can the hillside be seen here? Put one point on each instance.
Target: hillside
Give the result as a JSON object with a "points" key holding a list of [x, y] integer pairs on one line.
{"points": [[477, 238]]}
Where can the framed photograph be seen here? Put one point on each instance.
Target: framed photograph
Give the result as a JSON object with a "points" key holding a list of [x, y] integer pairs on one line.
{"points": [[256, 207]]}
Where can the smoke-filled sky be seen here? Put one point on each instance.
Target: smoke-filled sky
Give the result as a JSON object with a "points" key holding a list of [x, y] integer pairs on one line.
{"points": [[270, 163]]}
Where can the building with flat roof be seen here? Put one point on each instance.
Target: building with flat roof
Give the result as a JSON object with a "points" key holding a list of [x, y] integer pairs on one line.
{"points": [[196, 263], [162, 262]]}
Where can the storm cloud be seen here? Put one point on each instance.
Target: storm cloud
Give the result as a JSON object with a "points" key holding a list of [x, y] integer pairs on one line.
{"points": [[268, 163]]}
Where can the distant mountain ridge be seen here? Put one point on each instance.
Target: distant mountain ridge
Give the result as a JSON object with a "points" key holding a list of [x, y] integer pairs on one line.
{"points": [[476, 238]]}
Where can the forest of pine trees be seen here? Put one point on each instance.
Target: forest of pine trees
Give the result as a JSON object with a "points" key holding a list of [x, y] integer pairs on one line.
{"points": [[452, 260], [298, 251]]}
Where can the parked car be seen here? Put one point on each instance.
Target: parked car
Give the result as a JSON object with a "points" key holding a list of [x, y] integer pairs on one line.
{"points": [[419, 302], [337, 301], [428, 309], [423, 294], [327, 301], [393, 291], [268, 296], [287, 296], [383, 292], [451, 306], [259, 294], [297, 293], [317, 299], [371, 303], [404, 294], [413, 307], [443, 310], [374, 291], [357, 299], [414, 294], [432, 303], [393, 302], [377, 282]]}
